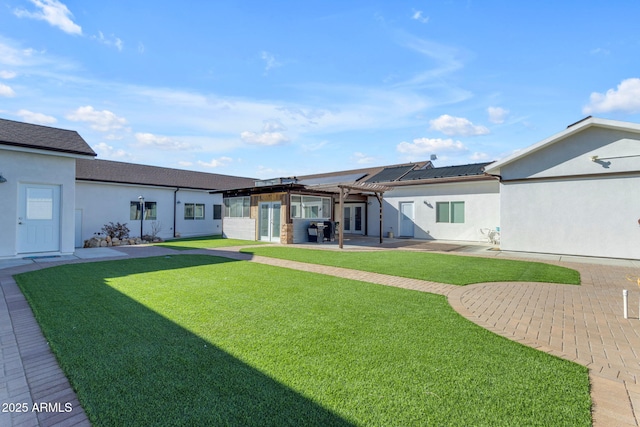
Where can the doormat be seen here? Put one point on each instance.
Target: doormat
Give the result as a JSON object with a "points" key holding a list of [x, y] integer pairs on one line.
{"points": [[41, 257]]}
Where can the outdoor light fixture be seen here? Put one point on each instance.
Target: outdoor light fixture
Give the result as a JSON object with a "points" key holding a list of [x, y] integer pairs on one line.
{"points": [[141, 214], [2, 179]]}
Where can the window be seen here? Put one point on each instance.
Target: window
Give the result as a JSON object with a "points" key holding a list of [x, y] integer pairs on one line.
{"points": [[193, 211], [150, 211], [450, 212], [237, 207], [310, 207], [217, 211]]}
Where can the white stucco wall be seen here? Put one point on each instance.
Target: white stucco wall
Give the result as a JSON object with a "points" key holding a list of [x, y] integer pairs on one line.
{"points": [[33, 167], [557, 200], [102, 203], [482, 210], [591, 217]]}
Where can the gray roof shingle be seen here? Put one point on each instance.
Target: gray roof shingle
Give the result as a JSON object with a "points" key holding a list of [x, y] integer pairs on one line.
{"points": [[131, 173], [27, 135]]}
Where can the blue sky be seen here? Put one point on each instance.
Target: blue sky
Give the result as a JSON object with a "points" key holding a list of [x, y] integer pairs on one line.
{"points": [[282, 88]]}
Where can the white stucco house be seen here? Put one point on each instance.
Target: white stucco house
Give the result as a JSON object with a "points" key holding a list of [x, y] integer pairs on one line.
{"points": [[418, 201], [37, 188], [150, 200], [441, 203], [572, 193], [54, 194], [575, 192]]}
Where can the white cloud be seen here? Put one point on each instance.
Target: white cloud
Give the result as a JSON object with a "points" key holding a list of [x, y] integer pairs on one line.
{"points": [[422, 146], [216, 163], [150, 140], [37, 118], [497, 114], [107, 151], [270, 61], [185, 164], [272, 134], [140, 48], [362, 159], [477, 156], [103, 121], [6, 91], [264, 138], [626, 98], [113, 41], [418, 15], [7, 74], [450, 125], [55, 13]]}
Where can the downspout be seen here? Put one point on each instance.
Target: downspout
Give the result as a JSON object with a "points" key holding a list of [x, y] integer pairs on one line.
{"points": [[175, 209]]}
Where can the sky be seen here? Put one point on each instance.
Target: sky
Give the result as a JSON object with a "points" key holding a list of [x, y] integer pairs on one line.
{"points": [[268, 89]]}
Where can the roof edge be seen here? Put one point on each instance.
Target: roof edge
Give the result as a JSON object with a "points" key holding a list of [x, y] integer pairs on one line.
{"points": [[572, 129]]}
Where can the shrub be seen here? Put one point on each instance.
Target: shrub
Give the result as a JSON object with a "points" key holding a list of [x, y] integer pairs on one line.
{"points": [[117, 230]]}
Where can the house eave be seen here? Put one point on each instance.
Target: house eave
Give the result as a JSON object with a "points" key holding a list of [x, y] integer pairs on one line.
{"points": [[10, 146], [448, 180]]}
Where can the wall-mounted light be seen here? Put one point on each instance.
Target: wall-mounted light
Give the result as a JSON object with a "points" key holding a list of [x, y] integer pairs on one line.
{"points": [[2, 179], [178, 202]]}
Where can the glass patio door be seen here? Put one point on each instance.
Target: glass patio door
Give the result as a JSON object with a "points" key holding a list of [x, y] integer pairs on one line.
{"points": [[269, 221], [353, 217]]}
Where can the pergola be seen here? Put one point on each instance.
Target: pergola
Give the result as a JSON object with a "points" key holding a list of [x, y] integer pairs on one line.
{"points": [[344, 190]]}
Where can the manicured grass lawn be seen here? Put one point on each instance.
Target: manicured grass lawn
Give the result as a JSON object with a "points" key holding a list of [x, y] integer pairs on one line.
{"points": [[200, 340], [204, 242], [452, 269]]}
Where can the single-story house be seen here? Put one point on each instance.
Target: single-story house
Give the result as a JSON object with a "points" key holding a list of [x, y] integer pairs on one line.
{"points": [[574, 193], [55, 195], [151, 200], [37, 188], [442, 203], [282, 209], [571, 194], [418, 200]]}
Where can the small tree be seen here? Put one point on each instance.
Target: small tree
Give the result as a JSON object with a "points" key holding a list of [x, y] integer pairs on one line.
{"points": [[117, 230]]}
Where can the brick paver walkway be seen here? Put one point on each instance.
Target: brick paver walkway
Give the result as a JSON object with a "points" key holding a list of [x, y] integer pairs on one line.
{"points": [[580, 323]]}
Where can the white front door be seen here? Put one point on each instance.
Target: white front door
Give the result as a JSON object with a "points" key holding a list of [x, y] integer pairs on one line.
{"points": [[269, 221], [38, 218], [406, 219], [353, 217]]}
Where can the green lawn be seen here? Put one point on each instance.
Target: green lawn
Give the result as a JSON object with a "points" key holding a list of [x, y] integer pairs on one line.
{"points": [[201, 340], [452, 269], [204, 242]]}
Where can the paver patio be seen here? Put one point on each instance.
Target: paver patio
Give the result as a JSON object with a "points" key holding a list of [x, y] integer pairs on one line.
{"points": [[580, 323]]}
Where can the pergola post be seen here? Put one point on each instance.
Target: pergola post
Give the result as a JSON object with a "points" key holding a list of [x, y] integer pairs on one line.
{"points": [[379, 197], [344, 192]]}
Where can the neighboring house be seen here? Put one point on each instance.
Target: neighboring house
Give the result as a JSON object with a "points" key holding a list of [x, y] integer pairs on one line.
{"points": [[37, 188], [151, 200], [574, 193]]}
